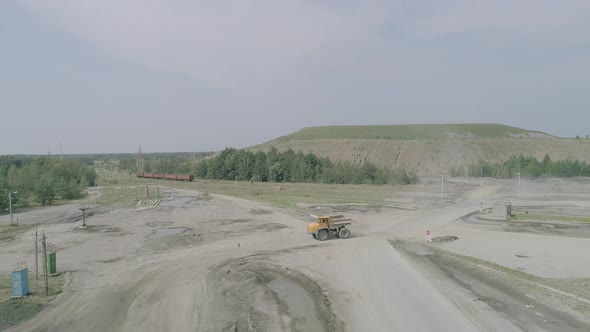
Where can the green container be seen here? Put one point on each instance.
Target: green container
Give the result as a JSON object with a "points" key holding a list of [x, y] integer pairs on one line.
{"points": [[51, 263]]}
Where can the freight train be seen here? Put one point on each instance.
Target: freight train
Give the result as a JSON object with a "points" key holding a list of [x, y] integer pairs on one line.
{"points": [[176, 177]]}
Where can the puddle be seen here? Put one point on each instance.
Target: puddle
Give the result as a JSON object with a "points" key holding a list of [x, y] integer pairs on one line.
{"points": [[299, 304], [161, 232]]}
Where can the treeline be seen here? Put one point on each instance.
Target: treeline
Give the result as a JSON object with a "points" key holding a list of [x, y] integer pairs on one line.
{"points": [[290, 166], [42, 179], [527, 166], [153, 162], [166, 162]]}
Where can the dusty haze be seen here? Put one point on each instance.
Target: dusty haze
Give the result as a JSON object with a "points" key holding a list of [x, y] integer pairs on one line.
{"points": [[200, 75]]}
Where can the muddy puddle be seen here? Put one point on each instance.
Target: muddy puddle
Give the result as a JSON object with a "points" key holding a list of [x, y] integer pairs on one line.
{"points": [[299, 305], [249, 294]]}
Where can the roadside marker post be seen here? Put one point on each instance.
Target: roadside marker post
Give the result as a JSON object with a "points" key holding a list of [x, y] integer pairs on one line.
{"points": [[428, 239]]}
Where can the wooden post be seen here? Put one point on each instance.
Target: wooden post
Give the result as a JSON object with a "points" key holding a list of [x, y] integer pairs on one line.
{"points": [[481, 197], [83, 216], [44, 243]]}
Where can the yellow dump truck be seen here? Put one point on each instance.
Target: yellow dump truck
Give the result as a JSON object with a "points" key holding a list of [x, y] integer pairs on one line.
{"points": [[326, 227]]}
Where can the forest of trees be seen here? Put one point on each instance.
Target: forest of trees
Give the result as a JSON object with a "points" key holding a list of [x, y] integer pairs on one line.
{"points": [[527, 166], [290, 166], [42, 179]]}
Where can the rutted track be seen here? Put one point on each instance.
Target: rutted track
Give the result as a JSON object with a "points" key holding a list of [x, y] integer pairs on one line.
{"points": [[214, 265], [530, 302]]}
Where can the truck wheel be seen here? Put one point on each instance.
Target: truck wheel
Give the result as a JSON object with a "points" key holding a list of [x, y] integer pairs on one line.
{"points": [[323, 235], [344, 233]]}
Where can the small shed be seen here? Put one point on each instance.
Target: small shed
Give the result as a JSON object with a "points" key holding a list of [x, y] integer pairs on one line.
{"points": [[502, 210], [20, 283]]}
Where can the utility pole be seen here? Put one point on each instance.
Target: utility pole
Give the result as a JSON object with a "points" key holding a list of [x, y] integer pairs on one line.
{"points": [[518, 180], [46, 272], [442, 189], [481, 199], [139, 160], [236, 183], [10, 205], [36, 254], [10, 193]]}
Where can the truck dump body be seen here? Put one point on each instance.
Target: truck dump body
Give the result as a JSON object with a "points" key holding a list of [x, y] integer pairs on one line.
{"points": [[327, 226]]}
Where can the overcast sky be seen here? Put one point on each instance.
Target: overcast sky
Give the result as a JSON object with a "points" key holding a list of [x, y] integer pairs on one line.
{"points": [[199, 75]]}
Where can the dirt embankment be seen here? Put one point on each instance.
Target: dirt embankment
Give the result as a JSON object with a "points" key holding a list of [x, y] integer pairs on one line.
{"points": [[531, 303], [435, 156]]}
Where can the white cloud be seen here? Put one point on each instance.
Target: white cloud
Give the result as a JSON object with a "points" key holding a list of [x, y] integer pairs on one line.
{"points": [[277, 65], [221, 40], [227, 42]]}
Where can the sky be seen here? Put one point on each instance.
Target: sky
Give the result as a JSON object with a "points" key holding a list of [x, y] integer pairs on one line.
{"points": [[201, 75]]}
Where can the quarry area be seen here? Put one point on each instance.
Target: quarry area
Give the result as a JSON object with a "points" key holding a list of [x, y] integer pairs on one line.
{"points": [[294, 166], [190, 260], [429, 149]]}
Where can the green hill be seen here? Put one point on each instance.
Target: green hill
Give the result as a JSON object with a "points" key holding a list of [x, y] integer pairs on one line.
{"points": [[428, 149], [413, 132]]}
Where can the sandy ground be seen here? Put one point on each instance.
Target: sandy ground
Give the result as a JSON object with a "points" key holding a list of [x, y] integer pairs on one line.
{"points": [[230, 264]]}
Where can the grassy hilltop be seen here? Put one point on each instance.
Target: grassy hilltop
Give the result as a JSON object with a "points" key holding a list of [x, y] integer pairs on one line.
{"points": [[412, 132]]}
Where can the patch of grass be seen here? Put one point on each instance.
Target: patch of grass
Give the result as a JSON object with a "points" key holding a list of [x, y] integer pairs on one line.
{"points": [[306, 193], [121, 194], [11, 232], [406, 132], [475, 262], [128, 188], [15, 311], [548, 217], [289, 197]]}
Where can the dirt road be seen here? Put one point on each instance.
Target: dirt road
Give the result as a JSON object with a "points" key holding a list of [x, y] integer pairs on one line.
{"points": [[230, 264]]}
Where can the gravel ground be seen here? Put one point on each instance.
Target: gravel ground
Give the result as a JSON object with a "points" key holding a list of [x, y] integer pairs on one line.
{"points": [[215, 265]]}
